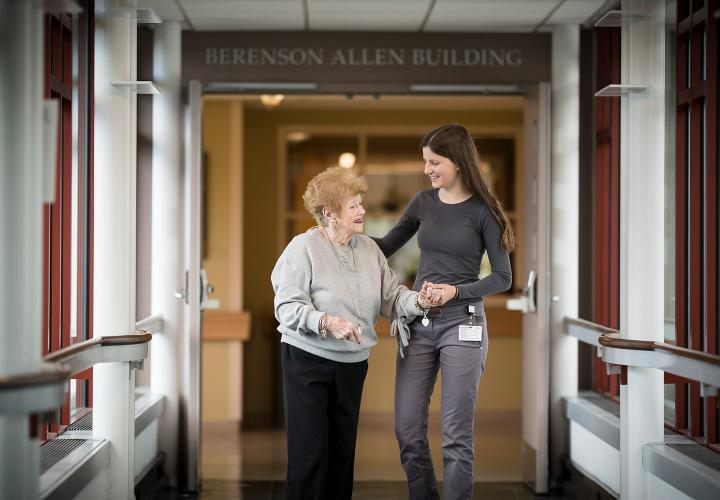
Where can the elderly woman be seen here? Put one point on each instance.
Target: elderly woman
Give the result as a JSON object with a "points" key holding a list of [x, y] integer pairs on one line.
{"points": [[331, 283]]}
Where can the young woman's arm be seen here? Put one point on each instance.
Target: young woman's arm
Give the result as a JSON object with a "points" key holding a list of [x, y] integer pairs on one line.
{"points": [[406, 227], [500, 279]]}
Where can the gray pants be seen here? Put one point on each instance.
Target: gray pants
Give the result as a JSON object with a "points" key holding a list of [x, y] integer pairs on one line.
{"points": [[432, 348]]}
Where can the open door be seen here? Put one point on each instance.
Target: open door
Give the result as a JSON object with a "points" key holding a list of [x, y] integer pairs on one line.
{"points": [[189, 449], [534, 301]]}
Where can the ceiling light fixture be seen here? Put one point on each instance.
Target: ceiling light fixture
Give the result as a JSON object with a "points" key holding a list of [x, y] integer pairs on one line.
{"points": [[346, 160], [271, 101]]}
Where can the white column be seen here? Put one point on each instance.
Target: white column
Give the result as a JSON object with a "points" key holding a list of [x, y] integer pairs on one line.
{"points": [[564, 230], [167, 269], [21, 194], [642, 147], [114, 239]]}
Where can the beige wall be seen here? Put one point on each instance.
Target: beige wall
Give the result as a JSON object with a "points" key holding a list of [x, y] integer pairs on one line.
{"points": [[221, 360], [263, 390]]}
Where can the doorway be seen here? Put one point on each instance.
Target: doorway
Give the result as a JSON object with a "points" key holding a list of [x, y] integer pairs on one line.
{"points": [[282, 148]]}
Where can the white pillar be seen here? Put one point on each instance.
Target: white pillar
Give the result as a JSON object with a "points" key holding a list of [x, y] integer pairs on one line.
{"points": [[167, 269], [642, 147], [114, 239], [564, 230], [21, 195]]}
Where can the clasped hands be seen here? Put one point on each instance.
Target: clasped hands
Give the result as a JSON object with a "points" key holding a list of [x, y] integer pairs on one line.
{"points": [[434, 295], [431, 295]]}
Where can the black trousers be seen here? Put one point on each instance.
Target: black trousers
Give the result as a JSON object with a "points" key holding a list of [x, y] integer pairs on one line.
{"points": [[322, 405]]}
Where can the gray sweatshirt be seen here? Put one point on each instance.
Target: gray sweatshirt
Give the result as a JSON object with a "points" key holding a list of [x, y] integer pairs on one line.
{"points": [[355, 283]]}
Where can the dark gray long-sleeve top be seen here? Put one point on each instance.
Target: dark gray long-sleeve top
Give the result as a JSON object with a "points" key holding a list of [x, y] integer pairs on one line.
{"points": [[452, 240]]}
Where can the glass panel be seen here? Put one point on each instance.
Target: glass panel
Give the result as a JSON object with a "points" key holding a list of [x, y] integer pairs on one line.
{"points": [[308, 155], [688, 65], [670, 404], [703, 57], [670, 173], [73, 395]]}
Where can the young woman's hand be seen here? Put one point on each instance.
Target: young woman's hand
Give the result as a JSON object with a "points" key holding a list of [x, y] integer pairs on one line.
{"points": [[342, 329], [429, 296], [440, 293]]}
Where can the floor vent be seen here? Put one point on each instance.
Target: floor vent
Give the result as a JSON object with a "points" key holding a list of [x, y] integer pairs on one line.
{"points": [[55, 450], [84, 424]]}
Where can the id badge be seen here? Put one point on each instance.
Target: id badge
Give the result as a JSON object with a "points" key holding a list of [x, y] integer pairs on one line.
{"points": [[471, 332]]}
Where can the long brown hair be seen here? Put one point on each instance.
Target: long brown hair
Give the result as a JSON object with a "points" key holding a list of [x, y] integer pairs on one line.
{"points": [[455, 143]]}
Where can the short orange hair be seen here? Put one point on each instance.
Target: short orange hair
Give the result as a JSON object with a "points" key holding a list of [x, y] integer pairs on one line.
{"points": [[329, 189]]}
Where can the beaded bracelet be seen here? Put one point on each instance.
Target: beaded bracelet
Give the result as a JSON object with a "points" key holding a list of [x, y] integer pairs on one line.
{"points": [[417, 304], [322, 326]]}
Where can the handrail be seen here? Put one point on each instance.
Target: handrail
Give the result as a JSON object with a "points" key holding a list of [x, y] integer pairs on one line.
{"points": [[110, 340], [152, 324], [614, 341], [29, 392], [44, 389], [112, 348], [694, 365], [51, 374], [586, 331]]}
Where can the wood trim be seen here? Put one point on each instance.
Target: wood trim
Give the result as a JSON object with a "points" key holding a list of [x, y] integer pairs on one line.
{"points": [[226, 325]]}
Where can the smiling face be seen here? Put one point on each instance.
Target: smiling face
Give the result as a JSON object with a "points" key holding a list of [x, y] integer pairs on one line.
{"points": [[443, 173], [350, 218]]}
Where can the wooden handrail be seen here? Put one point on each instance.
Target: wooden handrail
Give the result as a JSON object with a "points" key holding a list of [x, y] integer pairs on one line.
{"points": [[614, 342], [688, 353], [139, 337], [50, 375], [694, 365]]}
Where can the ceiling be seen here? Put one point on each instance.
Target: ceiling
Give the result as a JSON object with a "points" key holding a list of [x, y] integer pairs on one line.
{"points": [[377, 15]]}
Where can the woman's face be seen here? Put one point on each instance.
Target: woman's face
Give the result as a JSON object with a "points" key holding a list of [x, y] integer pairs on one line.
{"points": [[442, 171], [350, 219]]}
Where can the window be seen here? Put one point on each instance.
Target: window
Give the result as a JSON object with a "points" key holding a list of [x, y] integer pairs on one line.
{"points": [[696, 210], [67, 221], [606, 293]]}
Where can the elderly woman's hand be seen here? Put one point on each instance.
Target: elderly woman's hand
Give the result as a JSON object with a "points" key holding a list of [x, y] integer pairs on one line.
{"points": [[342, 329]]}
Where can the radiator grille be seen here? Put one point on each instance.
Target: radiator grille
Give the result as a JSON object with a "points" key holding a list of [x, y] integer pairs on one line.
{"points": [[84, 424], [55, 450], [698, 453]]}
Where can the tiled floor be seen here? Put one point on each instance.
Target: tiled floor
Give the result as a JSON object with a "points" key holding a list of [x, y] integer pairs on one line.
{"points": [[251, 465], [260, 456], [375, 490]]}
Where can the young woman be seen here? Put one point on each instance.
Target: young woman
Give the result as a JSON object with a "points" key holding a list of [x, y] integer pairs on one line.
{"points": [[457, 221]]}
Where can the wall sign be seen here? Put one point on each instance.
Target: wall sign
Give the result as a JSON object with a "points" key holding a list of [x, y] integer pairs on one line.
{"points": [[365, 61]]}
